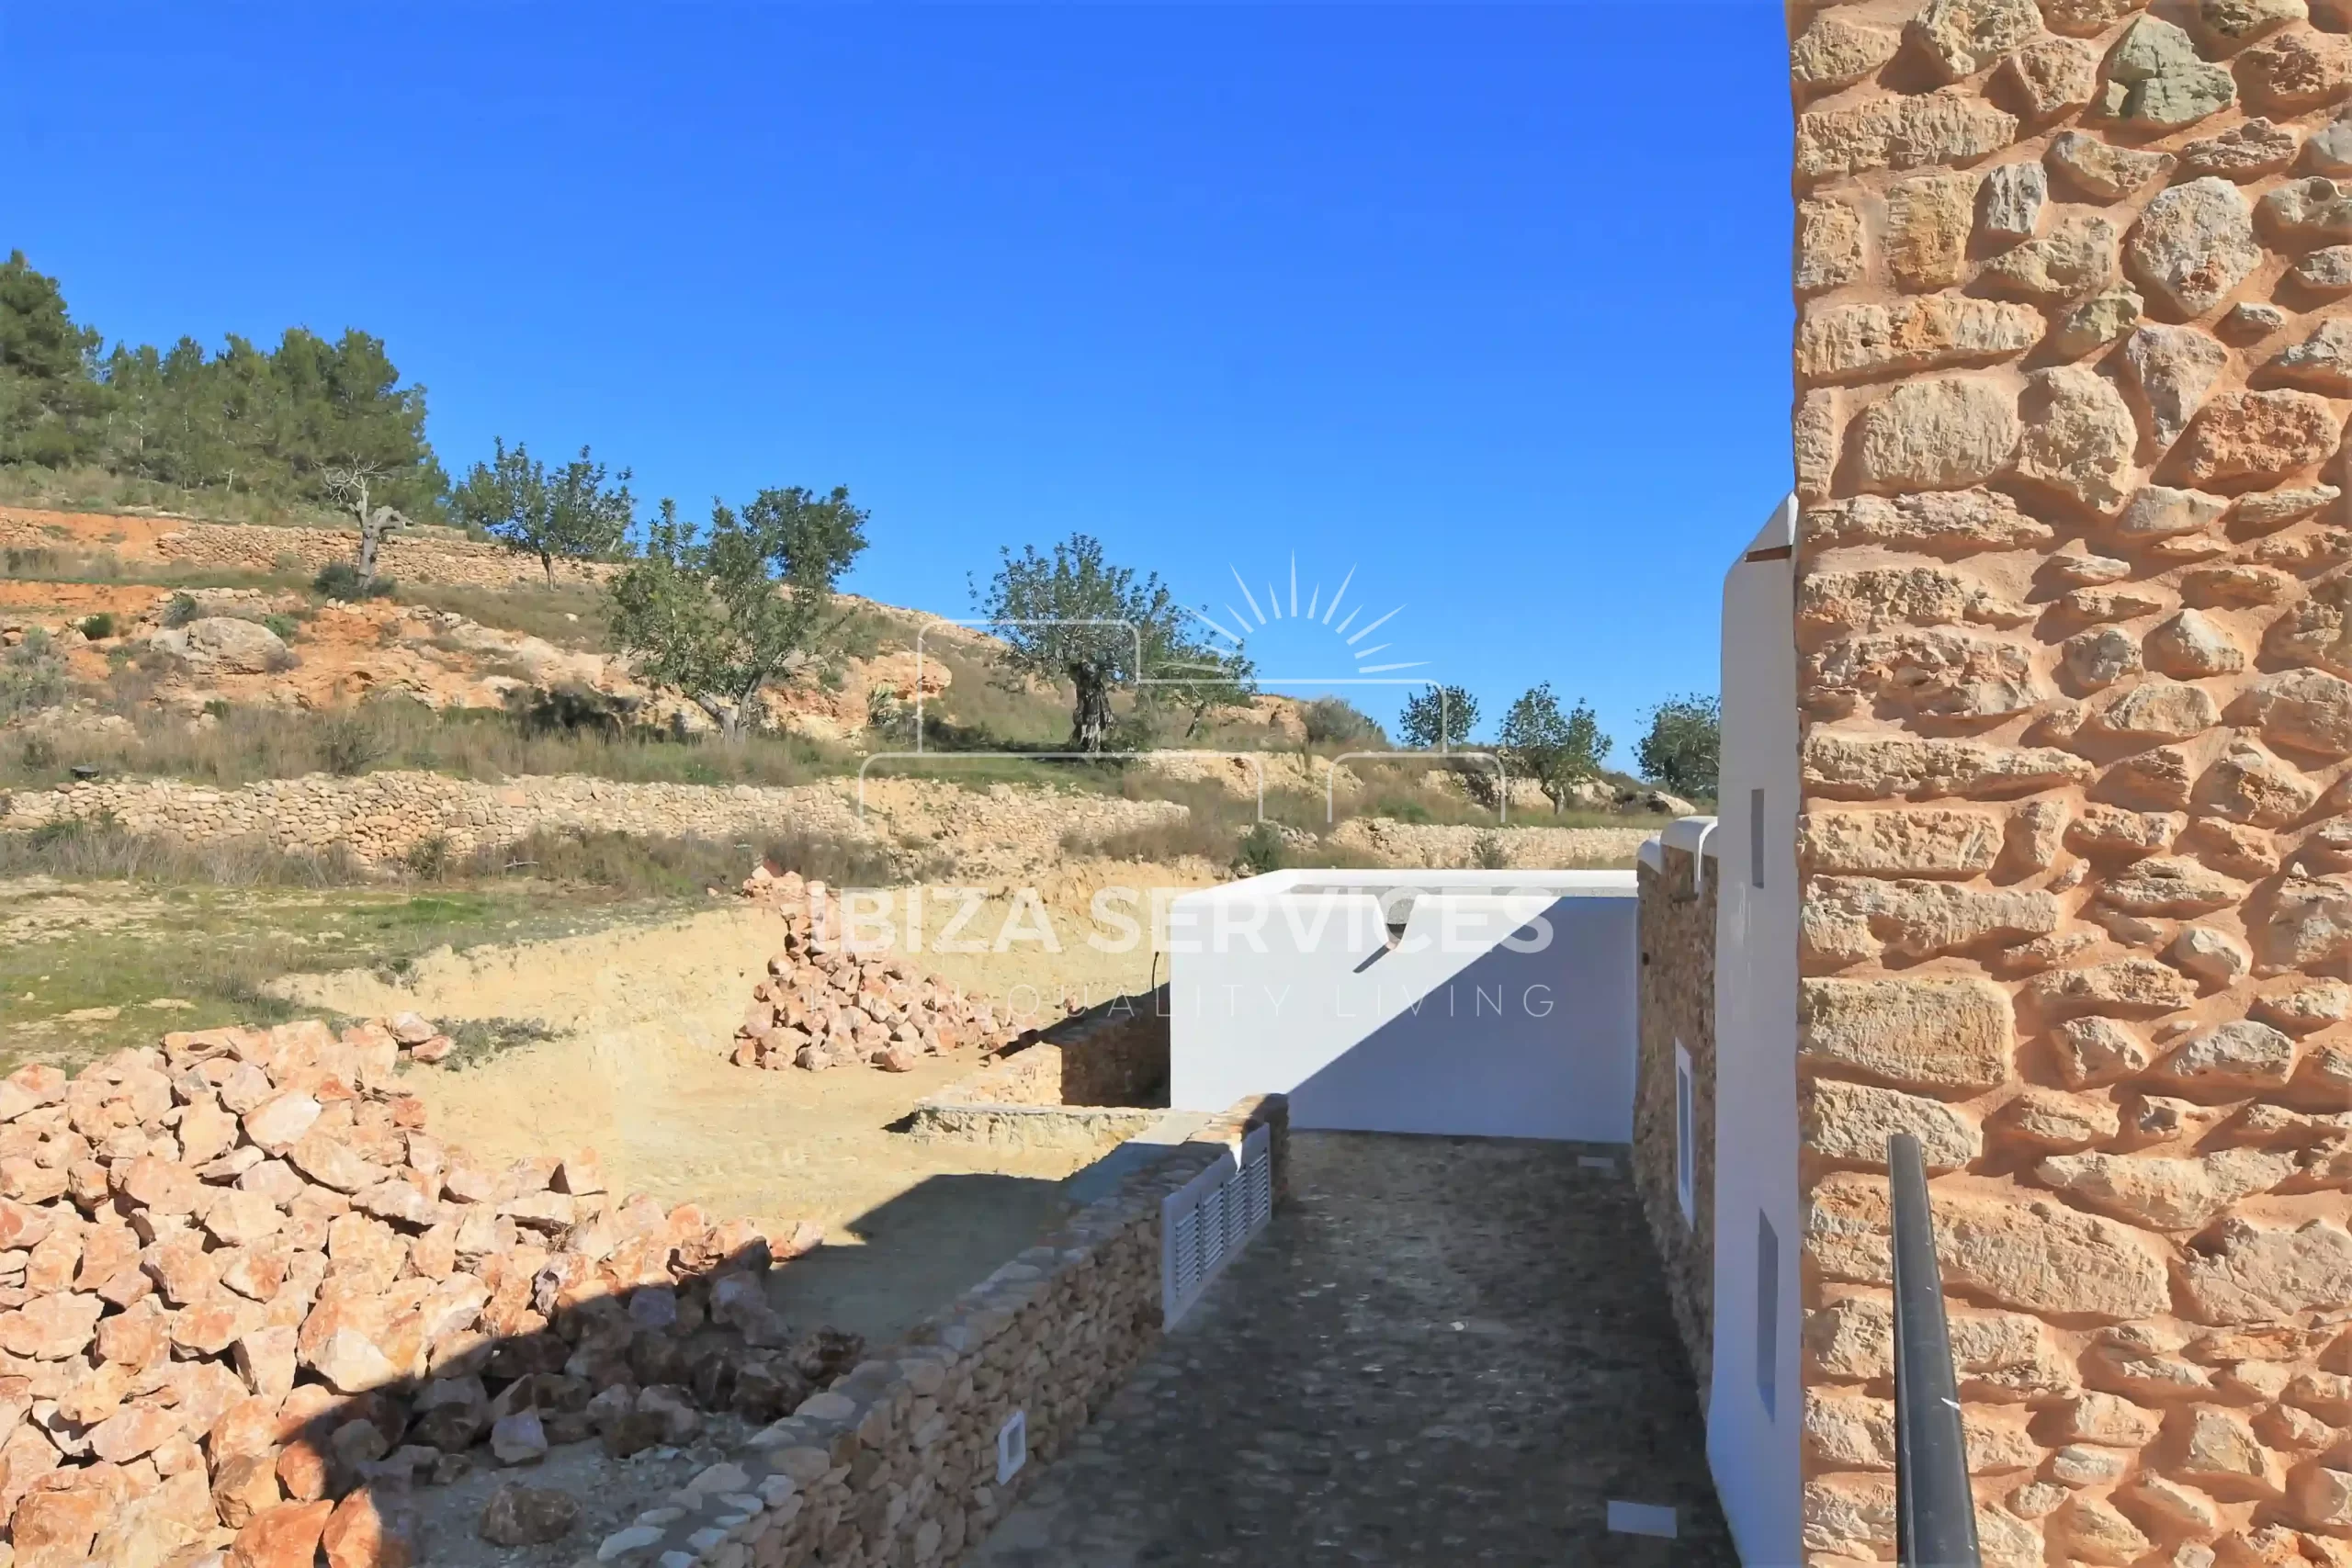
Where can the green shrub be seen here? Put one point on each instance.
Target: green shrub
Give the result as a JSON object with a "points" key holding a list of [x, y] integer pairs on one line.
{"points": [[1487, 852], [97, 627], [1335, 721], [181, 610], [349, 745], [283, 625], [32, 677], [1260, 852], [428, 859], [341, 579]]}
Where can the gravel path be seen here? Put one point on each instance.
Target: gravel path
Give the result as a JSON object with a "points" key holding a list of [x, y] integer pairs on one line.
{"points": [[1444, 1350]]}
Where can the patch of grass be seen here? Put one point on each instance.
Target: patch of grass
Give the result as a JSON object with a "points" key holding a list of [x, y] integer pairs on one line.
{"points": [[95, 490], [479, 1041], [570, 615]]}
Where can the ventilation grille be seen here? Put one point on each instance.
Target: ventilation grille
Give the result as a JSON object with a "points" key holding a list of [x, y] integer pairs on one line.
{"points": [[1206, 1222]]}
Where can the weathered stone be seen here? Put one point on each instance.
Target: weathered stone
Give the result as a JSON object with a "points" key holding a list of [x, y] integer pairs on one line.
{"points": [[2101, 657], [2247, 785], [2307, 710], [2241, 1054], [1874, 597], [1849, 1515], [2159, 512], [2235, 584], [2242, 153], [2323, 361], [283, 1537], [1813, 430], [1938, 672], [2161, 710], [278, 1124], [528, 1516], [2307, 919], [1869, 766], [2104, 170], [1919, 842], [1928, 222], [1833, 53], [2313, 211], [519, 1439], [2326, 271], [1936, 1034], [1850, 919], [2208, 955], [2087, 18], [2319, 629], [2190, 646], [50, 1327], [1902, 132], [2256, 1273], [1998, 1355], [2220, 1446], [371, 1528], [2154, 76], [1947, 433], [2049, 1119], [1828, 246], [2165, 1194], [2296, 71], [1963, 36], [2011, 201], [1951, 522], [2133, 987], [2306, 1005], [1864, 341], [2239, 21], [2096, 1531], [2250, 320], [2043, 1258], [2079, 437], [2051, 77], [2194, 243], [2171, 369], [2260, 436], [2168, 885], [2122, 602], [2076, 255]]}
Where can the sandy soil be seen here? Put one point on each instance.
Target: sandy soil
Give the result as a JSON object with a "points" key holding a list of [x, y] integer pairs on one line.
{"points": [[644, 1018]]}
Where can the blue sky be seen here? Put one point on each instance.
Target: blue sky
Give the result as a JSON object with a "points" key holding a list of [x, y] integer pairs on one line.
{"points": [[1489, 304]]}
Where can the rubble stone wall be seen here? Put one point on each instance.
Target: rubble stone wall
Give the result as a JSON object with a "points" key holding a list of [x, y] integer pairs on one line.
{"points": [[431, 554], [1677, 1007], [898, 1462], [381, 817], [2072, 376]]}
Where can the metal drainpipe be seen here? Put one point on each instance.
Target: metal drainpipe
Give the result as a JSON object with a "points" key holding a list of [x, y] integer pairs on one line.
{"points": [[1935, 1512]]}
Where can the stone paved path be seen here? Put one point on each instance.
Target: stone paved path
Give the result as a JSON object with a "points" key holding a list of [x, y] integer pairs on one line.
{"points": [[1443, 1350]]}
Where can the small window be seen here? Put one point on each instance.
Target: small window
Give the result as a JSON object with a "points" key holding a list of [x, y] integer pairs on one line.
{"points": [[1686, 1151], [1755, 837], [1767, 1315]]}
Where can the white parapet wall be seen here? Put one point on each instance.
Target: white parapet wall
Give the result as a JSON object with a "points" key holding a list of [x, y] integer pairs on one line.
{"points": [[1487, 1003]]}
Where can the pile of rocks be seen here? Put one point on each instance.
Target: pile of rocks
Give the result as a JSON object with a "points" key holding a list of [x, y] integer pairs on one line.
{"points": [[246, 1301], [824, 1006]]}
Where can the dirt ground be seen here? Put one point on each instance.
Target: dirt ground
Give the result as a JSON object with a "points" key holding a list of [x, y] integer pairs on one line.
{"points": [[642, 1020]]}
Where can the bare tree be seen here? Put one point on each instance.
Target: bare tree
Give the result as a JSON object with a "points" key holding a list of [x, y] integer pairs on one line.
{"points": [[351, 485]]}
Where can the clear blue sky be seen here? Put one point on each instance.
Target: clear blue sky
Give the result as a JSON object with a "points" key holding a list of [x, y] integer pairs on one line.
{"points": [[1490, 304]]}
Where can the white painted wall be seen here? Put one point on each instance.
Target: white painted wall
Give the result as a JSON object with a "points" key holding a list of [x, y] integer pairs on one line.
{"points": [[1288, 984], [1753, 1449]]}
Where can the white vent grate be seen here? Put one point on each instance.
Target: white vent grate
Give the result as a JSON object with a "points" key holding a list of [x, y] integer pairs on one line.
{"points": [[1206, 1222]]}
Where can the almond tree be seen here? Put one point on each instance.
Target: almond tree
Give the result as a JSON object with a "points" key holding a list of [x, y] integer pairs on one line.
{"points": [[569, 512]]}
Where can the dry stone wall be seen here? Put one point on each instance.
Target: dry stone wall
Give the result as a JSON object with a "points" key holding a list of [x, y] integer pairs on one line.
{"points": [[2072, 370], [423, 555], [898, 1462], [381, 817], [1678, 1009]]}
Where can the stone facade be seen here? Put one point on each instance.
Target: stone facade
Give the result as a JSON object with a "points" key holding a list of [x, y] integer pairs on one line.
{"points": [[1090, 1081], [898, 1462], [1677, 1007], [2071, 394]]}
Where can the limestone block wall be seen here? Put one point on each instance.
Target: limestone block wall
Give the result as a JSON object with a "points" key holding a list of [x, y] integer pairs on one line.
{"points": [[1677, 1007], [2072, 368]]}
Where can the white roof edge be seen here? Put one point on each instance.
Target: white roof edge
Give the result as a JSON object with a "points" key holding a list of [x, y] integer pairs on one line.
{"points": [[1652, 855], [1689, 834], [1780, 530]]}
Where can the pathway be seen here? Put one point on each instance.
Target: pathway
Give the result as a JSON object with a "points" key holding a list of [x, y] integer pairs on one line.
{"points": [[1443, 1350]]}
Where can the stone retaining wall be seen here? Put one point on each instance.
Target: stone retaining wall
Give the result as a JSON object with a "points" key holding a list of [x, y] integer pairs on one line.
{"points": [[381, 817], [431, 554], [898, 1462], [2073, 650], [1090, 1081], [1677, 1007]]}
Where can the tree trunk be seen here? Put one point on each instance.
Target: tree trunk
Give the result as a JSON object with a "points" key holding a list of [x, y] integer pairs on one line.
{"points": [[547, 564], [1090, 722], [368, 536]]}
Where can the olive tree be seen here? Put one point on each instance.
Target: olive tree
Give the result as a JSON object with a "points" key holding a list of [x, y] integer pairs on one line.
{"points": [[570, 511], [1558, 751], [719, 612]]}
